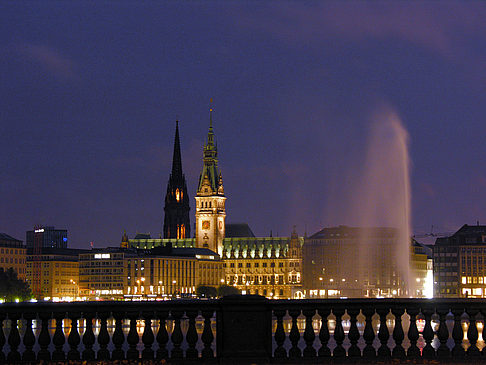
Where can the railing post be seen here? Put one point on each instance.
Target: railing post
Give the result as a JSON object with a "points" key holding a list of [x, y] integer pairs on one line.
{"points": [[339, 352], [443, 352], [413, 351], [398, 334], [458, 351], [309, 335], [353, 352], [428, 351], [2, 337], [74, 339], [244, 329], [280, 352], [29, 339], [44, 339], [472, 334], [58, 339], [14, 338], [384, 353], [369, 352], [88, 336], [324, 336]]}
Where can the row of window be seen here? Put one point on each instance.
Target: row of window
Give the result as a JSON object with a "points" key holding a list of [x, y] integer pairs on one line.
{"points": [[257, 264], [12, 260], [12, 251]]}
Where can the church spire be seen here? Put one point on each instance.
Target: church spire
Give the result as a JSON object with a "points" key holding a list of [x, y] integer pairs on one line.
{"points": [[176, 219], [176, 158]]}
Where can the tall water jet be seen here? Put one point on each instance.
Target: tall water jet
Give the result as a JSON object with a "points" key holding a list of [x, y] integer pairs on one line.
{"points": [[384, 204]]}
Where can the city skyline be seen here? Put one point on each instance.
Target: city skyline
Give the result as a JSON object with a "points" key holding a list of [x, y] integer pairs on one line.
{"points": [[88, 115]]}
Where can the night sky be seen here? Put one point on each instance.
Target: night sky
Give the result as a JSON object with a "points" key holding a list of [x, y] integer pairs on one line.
{"points": [[90, 91]]}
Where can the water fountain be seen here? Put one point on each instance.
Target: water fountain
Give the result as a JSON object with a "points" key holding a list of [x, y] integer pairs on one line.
{"points": [[384, 201]]}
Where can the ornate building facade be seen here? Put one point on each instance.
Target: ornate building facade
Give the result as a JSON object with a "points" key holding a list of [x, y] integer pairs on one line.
{"points": [[269, 266]]}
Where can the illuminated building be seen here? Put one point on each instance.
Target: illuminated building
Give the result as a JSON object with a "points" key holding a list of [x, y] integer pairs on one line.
{"points": [[117, 273], [12, 255], [171, 272], [42, 236], [460, 264], [335, 261], [210, 199], [176, 218], [58, 275], [102, 273], [270, 266]]}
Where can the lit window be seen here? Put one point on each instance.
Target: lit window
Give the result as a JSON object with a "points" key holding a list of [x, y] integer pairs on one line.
{"points": [[463, 280]]}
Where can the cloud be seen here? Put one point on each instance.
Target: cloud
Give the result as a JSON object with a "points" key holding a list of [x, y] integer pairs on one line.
{"points": [[439, 26], [49, 58]]}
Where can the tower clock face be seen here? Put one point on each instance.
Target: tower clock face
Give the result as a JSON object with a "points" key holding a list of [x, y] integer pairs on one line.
{"points": [[206, 225]]}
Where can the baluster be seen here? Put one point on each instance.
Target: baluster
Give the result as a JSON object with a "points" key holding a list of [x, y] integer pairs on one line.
{"points": [[353, 352], [472, 334], [74, 339], [2, 337], [118, 337], [148, 336], [413, 351], [162, 336], [88, 337], [369, 352], [428, 351], [280, 352], [398, 334], [443, 334], [324, 335], [13, 338], [29, 339], [294, 335], [458, 334], [103, 337], [44, 339], [176, 336], [207, 336], [339, 351], [132, 338], [58, 339], [384, 352], [191, 336], [309, 335]]}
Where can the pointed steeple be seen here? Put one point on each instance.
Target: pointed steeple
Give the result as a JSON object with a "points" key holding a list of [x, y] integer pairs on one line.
{"points": [[176, 158], [176, 219], [210, 159]]}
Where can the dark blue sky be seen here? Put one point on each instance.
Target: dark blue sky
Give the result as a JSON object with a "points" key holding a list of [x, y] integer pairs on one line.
{"points": [[89, 94]]}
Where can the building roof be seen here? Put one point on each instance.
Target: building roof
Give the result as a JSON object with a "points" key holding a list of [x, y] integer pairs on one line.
{"points": [[238, 230], [466, 235], [58, 251], [6, 237], [142, 236], [180, 252], [353, 232]]}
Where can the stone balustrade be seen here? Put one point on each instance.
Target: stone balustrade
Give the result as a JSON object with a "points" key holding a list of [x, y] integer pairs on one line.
{"points": [[247, 329]]}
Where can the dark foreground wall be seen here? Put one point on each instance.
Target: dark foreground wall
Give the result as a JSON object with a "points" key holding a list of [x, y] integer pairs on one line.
{"points": [[245, 329]]}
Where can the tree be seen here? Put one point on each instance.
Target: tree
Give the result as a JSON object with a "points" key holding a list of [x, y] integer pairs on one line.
{"points": [[12, 288], [224, 290], [204, 291]]}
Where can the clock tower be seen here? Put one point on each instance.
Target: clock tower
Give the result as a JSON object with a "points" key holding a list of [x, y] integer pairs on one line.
{"points": [[210, 199]]}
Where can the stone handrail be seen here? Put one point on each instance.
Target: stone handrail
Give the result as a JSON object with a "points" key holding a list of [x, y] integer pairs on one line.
{"points": [[249, 329]]}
